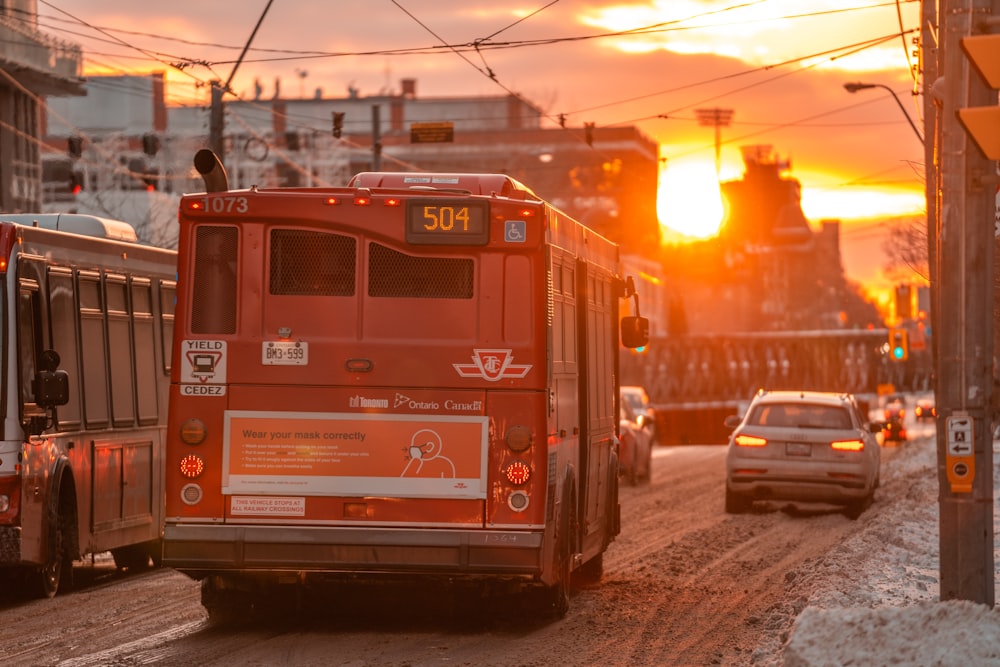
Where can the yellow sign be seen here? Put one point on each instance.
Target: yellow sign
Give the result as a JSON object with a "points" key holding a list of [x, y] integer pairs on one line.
{"points": [[430, 133]]}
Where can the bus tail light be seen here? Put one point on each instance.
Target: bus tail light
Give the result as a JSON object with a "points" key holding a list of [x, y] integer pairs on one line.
{"points": [[749, 441], [518, 473], [192, 466]]}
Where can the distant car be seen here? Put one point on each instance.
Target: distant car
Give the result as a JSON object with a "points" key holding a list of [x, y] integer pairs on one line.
{"points": [[803, 446], [893, 431], [895, 407], [925, 410], [635, 453], [638, 400]]}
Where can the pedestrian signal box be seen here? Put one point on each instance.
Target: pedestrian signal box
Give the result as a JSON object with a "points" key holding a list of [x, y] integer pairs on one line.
{"points": [[899, 348]]}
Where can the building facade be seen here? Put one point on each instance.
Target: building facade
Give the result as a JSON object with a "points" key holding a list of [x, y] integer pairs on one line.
{"points": [[33, 65]]}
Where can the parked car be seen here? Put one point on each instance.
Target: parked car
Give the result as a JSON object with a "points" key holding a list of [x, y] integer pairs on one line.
{"points": [[638, 399], [805, 446], [925, 410], [635, 452]]}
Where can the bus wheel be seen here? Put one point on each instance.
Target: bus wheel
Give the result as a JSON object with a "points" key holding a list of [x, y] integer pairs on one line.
{"points": [[58, 568], [557, 595]]}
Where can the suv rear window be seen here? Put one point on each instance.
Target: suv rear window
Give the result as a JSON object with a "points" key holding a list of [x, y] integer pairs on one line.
{"points": [[800, 415]]}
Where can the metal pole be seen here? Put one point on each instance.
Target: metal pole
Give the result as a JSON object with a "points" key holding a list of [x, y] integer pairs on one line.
{"points": [[376, 139], [965, 329], [719, 118]]}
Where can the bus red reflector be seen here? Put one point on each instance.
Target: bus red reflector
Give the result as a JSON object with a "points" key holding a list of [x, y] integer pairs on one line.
{"points": [[362, 201], [192, 466], [195, 205], [331, 201], [393, 201], [3, 265]]}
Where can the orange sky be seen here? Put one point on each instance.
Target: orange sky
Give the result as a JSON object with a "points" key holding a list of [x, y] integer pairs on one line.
{"points": [[779, 65]]}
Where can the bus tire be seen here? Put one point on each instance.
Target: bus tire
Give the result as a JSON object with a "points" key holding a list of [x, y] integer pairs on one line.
{"points": [[57, 572], [557, 595]]}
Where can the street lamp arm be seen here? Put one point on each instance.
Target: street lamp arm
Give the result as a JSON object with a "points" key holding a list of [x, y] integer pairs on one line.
{"points": [[856, 86]]}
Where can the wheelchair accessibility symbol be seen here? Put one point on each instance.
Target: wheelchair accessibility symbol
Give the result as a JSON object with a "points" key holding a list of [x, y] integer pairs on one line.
{"points": [[515, 231]]}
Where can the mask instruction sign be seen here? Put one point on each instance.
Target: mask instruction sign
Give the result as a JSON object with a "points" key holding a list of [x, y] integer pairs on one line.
{"points": [[352, 454]]}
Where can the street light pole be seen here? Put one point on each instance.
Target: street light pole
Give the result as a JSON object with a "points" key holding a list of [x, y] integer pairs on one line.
{"points": [[719, 118], [856, 86]]}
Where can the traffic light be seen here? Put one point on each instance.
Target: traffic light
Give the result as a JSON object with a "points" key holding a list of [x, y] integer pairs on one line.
{"points": [[899, 346], [983, 123], [338, 124]]}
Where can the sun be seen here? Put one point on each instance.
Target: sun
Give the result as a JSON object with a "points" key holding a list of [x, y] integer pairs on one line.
{"points": [[688, 199]]}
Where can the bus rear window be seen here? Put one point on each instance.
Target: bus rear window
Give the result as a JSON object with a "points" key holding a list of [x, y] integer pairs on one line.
{"points": [[393, 274], [213, 290], [309, 263]]}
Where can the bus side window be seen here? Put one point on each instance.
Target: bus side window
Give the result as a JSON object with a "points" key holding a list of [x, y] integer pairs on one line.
{"points": [[168, 302], [28, 343], [93, 339], [65, 340]]}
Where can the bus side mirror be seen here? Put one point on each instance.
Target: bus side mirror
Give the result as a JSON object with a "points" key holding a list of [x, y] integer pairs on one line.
{"points": [[635, 331], [51, 385]]}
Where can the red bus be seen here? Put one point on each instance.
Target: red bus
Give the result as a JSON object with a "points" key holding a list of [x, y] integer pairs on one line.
{"points": [[86, 332], [412, 375]]}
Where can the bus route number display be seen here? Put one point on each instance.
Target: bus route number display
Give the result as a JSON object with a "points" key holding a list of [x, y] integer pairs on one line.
{"points": [[284, 353], [447, 222]]}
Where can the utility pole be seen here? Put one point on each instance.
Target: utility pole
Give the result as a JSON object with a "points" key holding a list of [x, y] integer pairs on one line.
{"points": [[376, 139], [719, 118], [217, 118], [964, 324]]}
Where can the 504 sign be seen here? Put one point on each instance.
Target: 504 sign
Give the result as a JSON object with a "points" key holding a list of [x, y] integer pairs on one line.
{"points": [[284, 353]]}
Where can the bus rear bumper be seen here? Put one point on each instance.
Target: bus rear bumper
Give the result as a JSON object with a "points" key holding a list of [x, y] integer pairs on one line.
{"points": [[200, 550]]}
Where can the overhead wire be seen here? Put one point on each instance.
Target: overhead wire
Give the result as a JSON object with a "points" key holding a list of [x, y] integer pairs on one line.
{"points": [[485, 44]]}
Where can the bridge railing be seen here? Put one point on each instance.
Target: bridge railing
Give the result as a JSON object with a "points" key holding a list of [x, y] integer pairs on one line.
{"points": [[732, 367]]}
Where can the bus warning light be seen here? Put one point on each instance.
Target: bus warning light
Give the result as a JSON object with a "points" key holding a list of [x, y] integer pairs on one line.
{"points": [[518, 472], [192, 466]]}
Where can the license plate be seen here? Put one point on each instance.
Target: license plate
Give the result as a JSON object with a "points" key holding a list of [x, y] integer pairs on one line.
{"points": [[284, 353], [798, 449]]}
